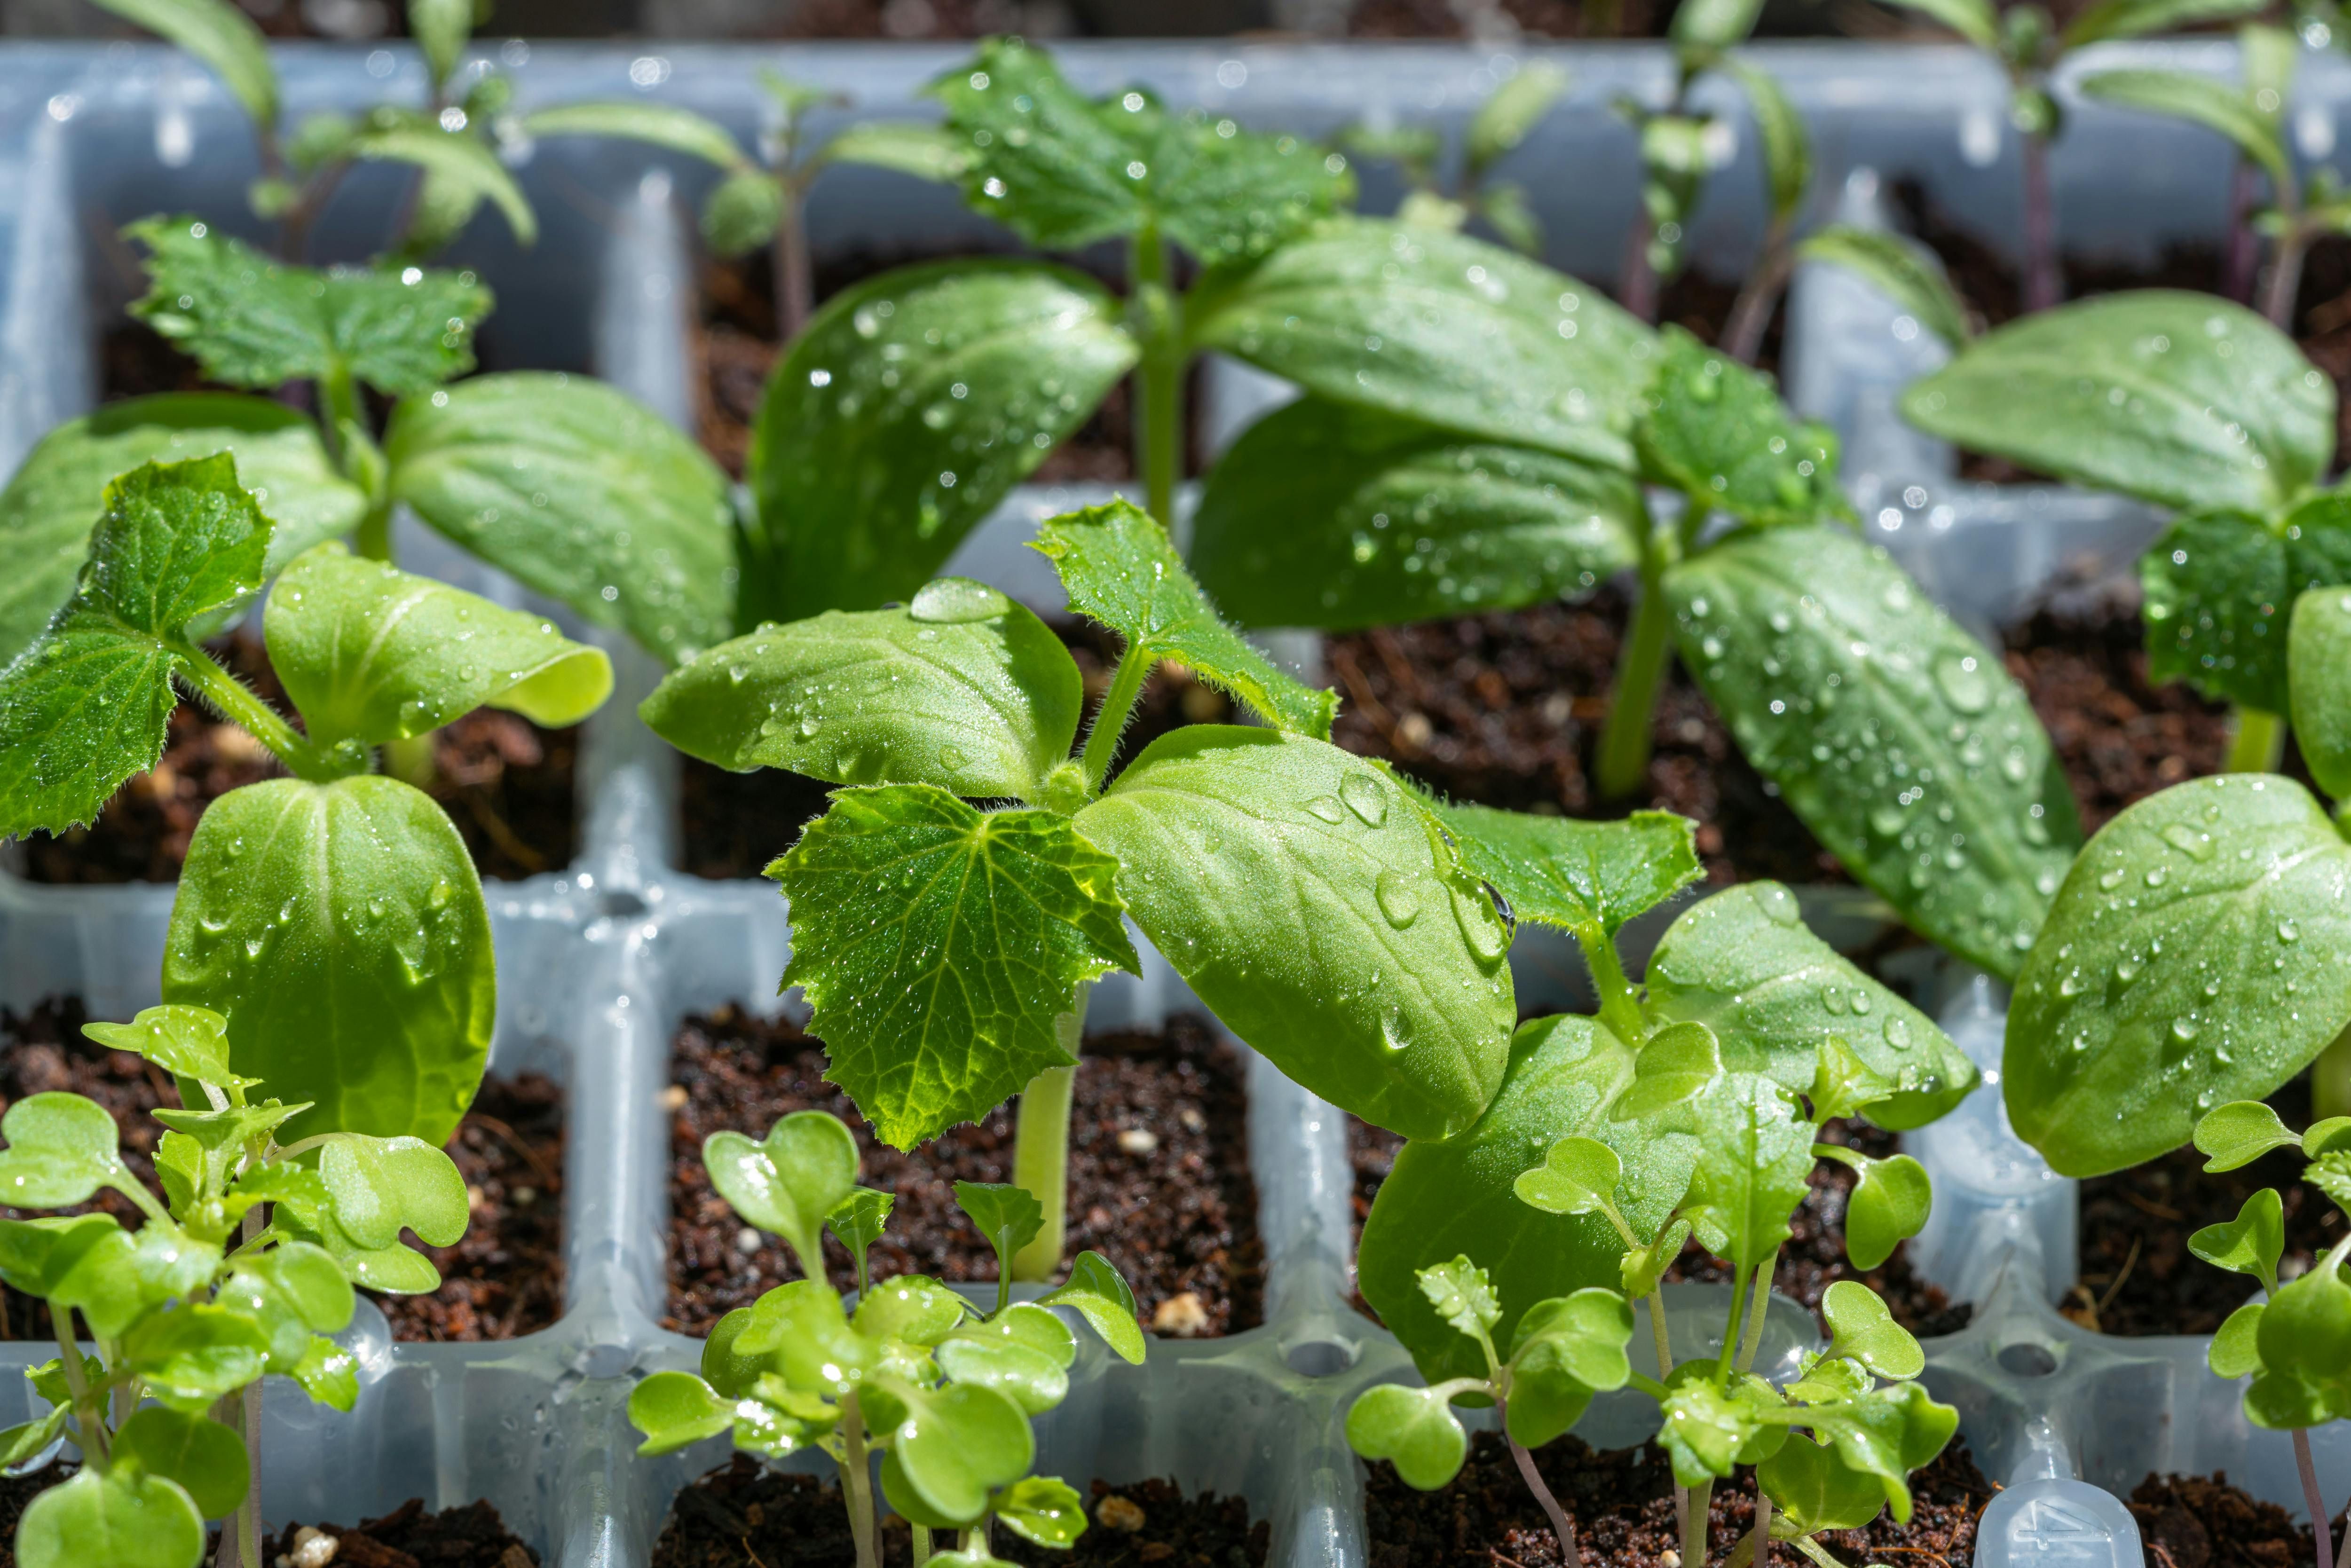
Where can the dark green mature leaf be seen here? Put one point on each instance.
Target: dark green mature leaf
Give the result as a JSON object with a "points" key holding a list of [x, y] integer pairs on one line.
{"points": [[907, 409], [1121, 571], [2250, 1244], [205, 1456], [2190, 959], [1459, 1196], [579, 492], [1063, 171], [1310, 900], [85, 707], [2217, 106], [2183, 400], [2318, 675], [222, 35], [1899, 267], [375, 653], [55, 496], [1437, 327], [963, 689], [340, 930], [1753, 1159], [1897, 736], [1716, 430], [1567, 1349], [2138, 18], [938, 944], [2220, 588], [1337, 516], [1413, 1430], [1559, 871], [1744, 963], [122, 1519], [251, 321]]}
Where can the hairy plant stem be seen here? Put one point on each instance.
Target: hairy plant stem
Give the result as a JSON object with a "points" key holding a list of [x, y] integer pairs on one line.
{"points": [[1110, 719], [1040, 1146], [1157, 316], [2322, 1534], [857, 1485], [1750, 313], [1620, 1002], [1640, 671], [2256, 741], [235, 702], [2044, 288], [1562, 1527]]}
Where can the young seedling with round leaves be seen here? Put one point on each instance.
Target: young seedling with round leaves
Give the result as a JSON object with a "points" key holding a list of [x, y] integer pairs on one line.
{"points": [[237, 1274], [2294, 1342], [1685, 1108], [1308, 897], [333, 918], [1501, 125], [943, 1392]]}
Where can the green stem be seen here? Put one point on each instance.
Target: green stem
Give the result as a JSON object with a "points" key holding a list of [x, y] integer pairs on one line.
{"points": [[1730, 1335], [372, 540], [922, 1542], [1159, 378], [88, 1415], [1658, 1331], [248, 1512], [2330, 1080], [1760, 1555], [1620, 1003], [857, 1485], [1632, 706], [1040, 1151], [255, 717], [1693, 1523], [1110, 719], [2256, 741], [1755, 1310]]}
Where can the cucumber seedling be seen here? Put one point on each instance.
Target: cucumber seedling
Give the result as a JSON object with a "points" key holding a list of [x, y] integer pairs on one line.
{"points": [[1501, 125]]}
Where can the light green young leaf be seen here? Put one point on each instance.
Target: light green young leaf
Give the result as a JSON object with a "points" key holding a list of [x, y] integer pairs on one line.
{"points": [[1120, 569], [329, 1374], [965, 689], [442, 28], [1099, 1294], [1008, 1216], [1709, 25], [309, 1282], [1862, 1328], [380, 1187], [913, 1309], [205, 1457], [461, 162], [1900, 268], [37, 1255], [925, 152], [397, 1269], [1780, 132], [192, 1353], [1310, 901], [1889, 1433], [2240, 1132], [1579, 1176], [1815, 1490], [340, 930], [659, 124], [121, 1518], [2138, 18], [1843, 1085], [61, 1150], [370, 652], [252, 321], [1412, 1429], [2318, 679], [938, 944], [1753, 1157], [1042, 1509], [1741, 962], [190, 1042], [789, 1181], [2219, 587], [54, 499], [120, 1276], [2180, 399], [1678, 1063], [1462, 1298], [1567, 1349], [26, 1439], [224, 38], [2115, 1049], [1317, 513], [579, 492], [1510, 113], [2330, 1137], [677, 1410], [1890, 715], [1718, 432], [2236, 1348], [2304, 1339], [1558, 871], [1973, 20], [869, 466], [2217, 106], [86, 706], [2250, 1244], [1889, 1205], [743, 213], [1469, 336], [1709, 1429], [857, 1221], [1024, 1352], [957, 1443]]}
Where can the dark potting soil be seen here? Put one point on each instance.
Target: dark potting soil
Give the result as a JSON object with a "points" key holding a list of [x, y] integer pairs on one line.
{"points": [[2202, 1522], [733, 824], [745, 1515], [504, 1278], [17, 1495], [472, 1536], [505, 782], [1621, 1503], [2137, 1275], [1158, 1170]]}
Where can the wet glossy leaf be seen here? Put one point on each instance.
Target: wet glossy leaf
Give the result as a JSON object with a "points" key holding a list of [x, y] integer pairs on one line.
{"points": [[966, 689], [1338, 516], [1887, 716], [1899, 267], [1462, 1297], [1706, 1429], [1024, 1353], [801, 1328], [222, 36], [859, 1218], [381, 1187], [957, 1442], [2221, 588], [61, 1150], [2223, 107], [1754, 1158], [1042, 1509], [1099, 1294], [120, 1275], [1309, 899], [1008, 1216], [2116, 1048], [2250, 1244], [1412, 1427], [1888, 1433], [2236, 1349], [340, 930], [910, 407], [789, 1181], [1579, 1176], [190, 1042], [677, 1410], [2318, 682], [329, 1374], [1862, 1328], [1814, 1490], [938, 944], [1676, 1063], [2240, 1132], [1718, 432], [1888, 1205], [191, 1354], [119, 1518], [38, 1255], [1566, 1350], [1559, 871], [2180, 399], [204, 1457]]}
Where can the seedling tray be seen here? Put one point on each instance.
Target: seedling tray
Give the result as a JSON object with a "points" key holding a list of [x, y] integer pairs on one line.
{"points": [[599, 962]]}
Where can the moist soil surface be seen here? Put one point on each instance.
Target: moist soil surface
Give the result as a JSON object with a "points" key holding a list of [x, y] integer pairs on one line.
{"points": [[2137, 1275], [472, 1536], [2202, 1522], [1622, 1505], [505, 783], [504, 1278], [1158, 1169], [745, 1515]]}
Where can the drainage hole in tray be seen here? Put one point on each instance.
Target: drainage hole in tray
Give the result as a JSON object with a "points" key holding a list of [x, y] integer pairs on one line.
{"points": [[1320, 1358], [2027, 1358]]}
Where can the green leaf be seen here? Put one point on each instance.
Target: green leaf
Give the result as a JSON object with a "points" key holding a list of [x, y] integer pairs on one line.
{"points": [[1814, 1490], [2250, 1244], [925, 152], [85, 707], [1512, 111], [802, 1327], [1462, 1298], [1718, 432], [329, 1375], [1888, 1205], [54, 499], [192, 1353], [38, 1255], [743, 213], [657, 124], [677, 1410], [2236, 1349], [375, 653], [579, 492], [1890, 715], [120, 1275], [913, 1309], [2331, 1174], [2138, 18], [1843, 1085], [2330, 1137], [1063, 171], [789, 1181], [1714, 24], [2223, 107], [1708, 1429], [2318, 678], [190, 1042], [870, 464], [1024, 1352], [442, 28], [61, 1150], [1861, 1329], [224, 38], [2305, 1340], [1559, 871], [119, 1518], [1741, 962], [396, 1270], [2240, 1132], [1412, 1427], [340, 930], [1121, 571], [2182, 400], [380, 1187], [1319, 515], [965, 689], [1900, 268], [859, 1218], [251, 321], [1099, 1294], [27, 1439], [938, 944], [1567, 1349], [1459, 1196], [2219, 587], [1971, 19], [1678, 1063], [1780, 132], [1753, 1159], [1008, 1216], [310, 1283], [1579, 1176], [1042, 1509], [1469, 336], [1313, 903], [957, 1442], [2115, 1049], [462, 164], [204, 1457]]}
